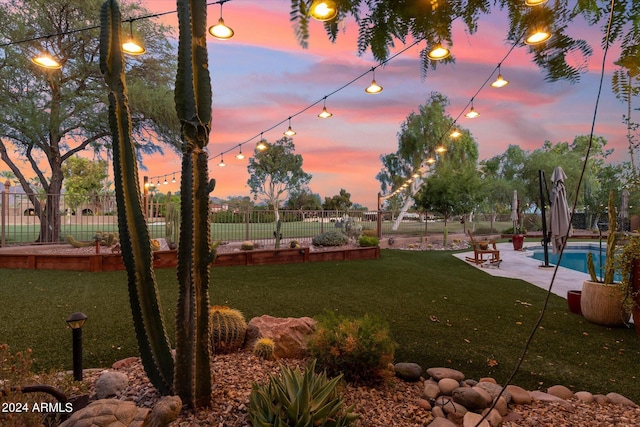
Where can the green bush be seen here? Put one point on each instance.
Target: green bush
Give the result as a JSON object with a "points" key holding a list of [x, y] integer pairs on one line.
{"points": [[366, 241], [296, 399], [370, 233], [330, 238], [361, 349], [226, 217]]}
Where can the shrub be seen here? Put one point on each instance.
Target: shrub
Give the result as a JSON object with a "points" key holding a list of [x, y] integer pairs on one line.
{"points": [[294, 244], [296, 399], [247, 246], [370, 233], [366, 241], [330, 238], [361, 349]]}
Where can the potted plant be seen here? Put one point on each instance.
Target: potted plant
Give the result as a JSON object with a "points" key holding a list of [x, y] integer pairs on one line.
{"points": [[601, 301], [628, 263]]}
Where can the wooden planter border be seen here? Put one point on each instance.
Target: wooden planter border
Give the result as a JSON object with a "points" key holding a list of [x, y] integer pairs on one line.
{"points": [[168, 259]]}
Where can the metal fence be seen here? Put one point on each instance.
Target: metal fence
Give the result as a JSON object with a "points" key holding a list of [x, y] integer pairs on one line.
{"points": [[20, 223]]}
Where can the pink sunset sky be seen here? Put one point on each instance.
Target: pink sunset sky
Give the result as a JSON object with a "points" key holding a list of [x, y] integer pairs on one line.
{"points": [[262, 76]]}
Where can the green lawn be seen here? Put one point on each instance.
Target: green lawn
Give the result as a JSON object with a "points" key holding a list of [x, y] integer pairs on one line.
{"points": [[442, 311]]}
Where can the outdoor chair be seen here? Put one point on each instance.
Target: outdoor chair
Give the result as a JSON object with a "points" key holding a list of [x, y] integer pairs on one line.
{"points": [[484, 252]]}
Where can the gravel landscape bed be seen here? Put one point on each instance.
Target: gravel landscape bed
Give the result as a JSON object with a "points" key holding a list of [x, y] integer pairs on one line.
{"points": [[395, 403]]}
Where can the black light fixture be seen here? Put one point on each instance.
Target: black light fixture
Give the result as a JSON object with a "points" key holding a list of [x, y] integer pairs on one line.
{"points": [[75, 322], [174, 177], [131, 46], [165, 180], [220, 30], [262, 144], [472, 114], [500, 81], [222, 163], [438, 52], [240, 156], [324, 114], [374, 87], [323, 10], [289, 131]]}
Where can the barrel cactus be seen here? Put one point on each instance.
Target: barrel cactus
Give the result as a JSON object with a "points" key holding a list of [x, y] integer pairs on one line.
{"points": [[264, 348], [228, 329]]}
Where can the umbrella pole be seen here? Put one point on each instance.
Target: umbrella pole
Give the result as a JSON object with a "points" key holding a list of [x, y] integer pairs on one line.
{"points": [[545, 240]]}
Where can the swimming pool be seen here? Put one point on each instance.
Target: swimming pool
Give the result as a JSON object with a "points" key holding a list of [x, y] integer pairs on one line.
{"points": [[575, 256]]}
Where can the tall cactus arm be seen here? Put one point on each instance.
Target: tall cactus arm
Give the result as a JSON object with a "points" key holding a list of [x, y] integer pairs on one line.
{"points": [[193, 105], [153, 343]]}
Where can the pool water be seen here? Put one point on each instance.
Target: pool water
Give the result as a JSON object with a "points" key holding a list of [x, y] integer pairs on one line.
{"points": [[575, 257]]}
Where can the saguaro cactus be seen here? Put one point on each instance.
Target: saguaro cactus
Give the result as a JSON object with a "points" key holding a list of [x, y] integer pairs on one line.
{"points": [[135, 241]]}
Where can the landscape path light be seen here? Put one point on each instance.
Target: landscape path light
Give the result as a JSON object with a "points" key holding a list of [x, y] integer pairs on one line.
{"points": [[75, 322]]}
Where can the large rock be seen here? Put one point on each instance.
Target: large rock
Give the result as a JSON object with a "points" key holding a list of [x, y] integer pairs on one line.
{"points": [[289, 334], [560, 391], [494, 390], [618, 399], [470, 398], [408, 371], [111, 384], [440, 373], [519, 395]]}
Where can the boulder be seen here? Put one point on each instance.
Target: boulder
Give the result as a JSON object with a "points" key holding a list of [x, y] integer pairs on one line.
{"points": [[408, 371], [111, 384], [442, 422], [618, 399], [560, 391], [440, 373], [494, 390], [289, 334], [584, 396], [447, 385], [470, 398], [519, 396]]}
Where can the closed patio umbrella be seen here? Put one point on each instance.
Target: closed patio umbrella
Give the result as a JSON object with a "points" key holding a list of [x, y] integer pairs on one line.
{"points": [[559, 217], [514, 211]]}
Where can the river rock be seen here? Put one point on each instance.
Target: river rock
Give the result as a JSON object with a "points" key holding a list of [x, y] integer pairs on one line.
{"points": [[440, 373], [430, 391], [449, 406], [447, 385], [546, 397], [560, 391], [584, 396], [619, 399], [111, 384], [471, 419], [519, 396], [494, 417], [601, 399], [441, 422], [408, 371], [470, 398], [494, 390], [487, 397]]}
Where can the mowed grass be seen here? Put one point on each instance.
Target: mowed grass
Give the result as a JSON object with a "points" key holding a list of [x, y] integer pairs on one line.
{"points": [[442, 312]]}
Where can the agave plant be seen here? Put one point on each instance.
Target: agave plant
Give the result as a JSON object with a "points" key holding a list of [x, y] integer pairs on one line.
{"points": [[299, 399]]}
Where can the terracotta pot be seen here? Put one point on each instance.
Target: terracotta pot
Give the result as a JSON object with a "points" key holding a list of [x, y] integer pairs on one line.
{"points": [[573, 299], [602, 304], [518, 241]]}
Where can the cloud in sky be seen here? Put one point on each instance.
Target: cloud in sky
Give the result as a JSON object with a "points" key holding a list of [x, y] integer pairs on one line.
{"points": [[261, 77]]}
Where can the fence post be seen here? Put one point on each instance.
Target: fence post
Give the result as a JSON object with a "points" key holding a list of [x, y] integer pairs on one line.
{"points": [[5, 210], [246, 223], [379, 216]]}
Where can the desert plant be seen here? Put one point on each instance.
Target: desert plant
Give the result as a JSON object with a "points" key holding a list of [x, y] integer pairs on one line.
{"points": [[172, 223], [191, 378], [625, 262], [609, 264], [370, 233], [359, 348], [330, 238], [264, 348], [299, 399], [228, 329], [366, 241]]}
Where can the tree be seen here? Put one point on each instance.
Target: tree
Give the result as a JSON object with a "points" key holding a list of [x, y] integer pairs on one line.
{"points": [[49, 116], [276, 172], [626, 84], [84, 180], [303, 199], [339, 202], [382, 23]]}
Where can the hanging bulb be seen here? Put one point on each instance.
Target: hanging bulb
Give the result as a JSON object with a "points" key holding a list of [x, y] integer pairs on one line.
{"points": [[500, 81], [532, 3], [324, 114], [323, 10], [222, 163], [472, 114], [438, 52], [455, 134], [45, 60], [165, 180], [289, 131], [262, 144], [440, 149], [174, 178], [220, 30], [537, 36], [240, 156], [131, 46], [373, 87]]}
